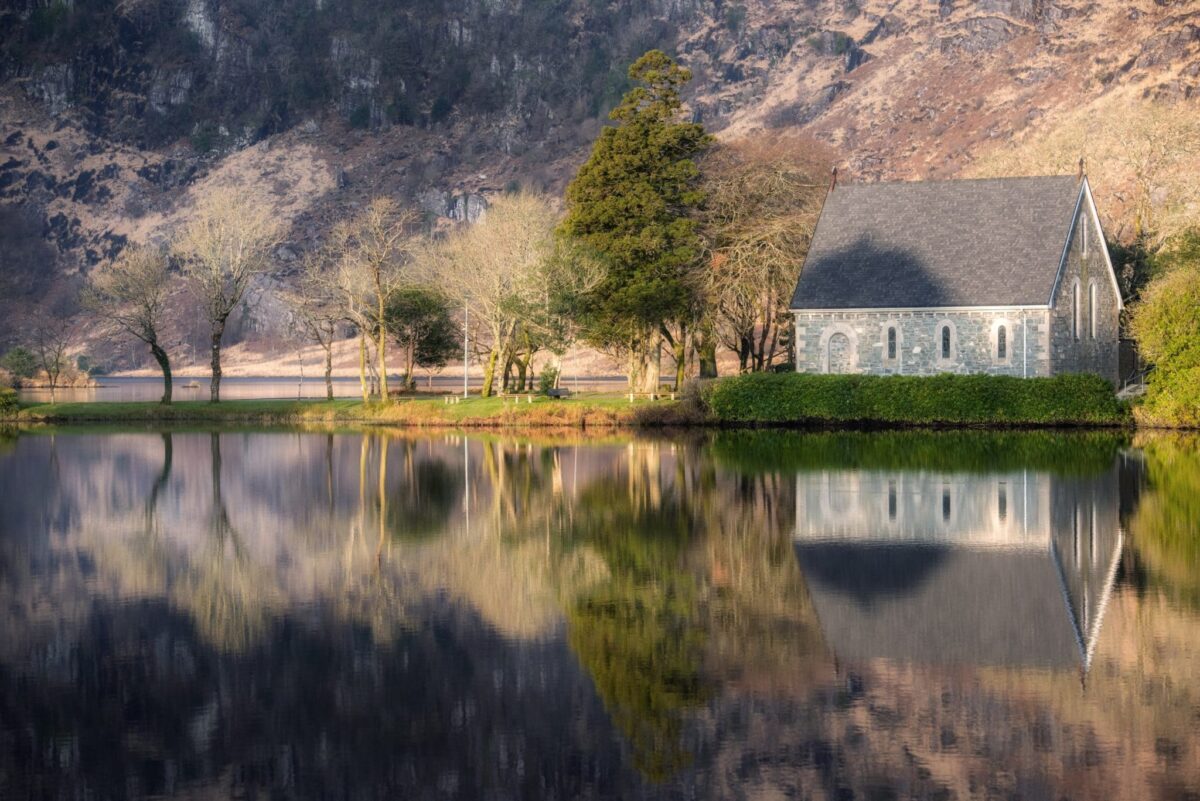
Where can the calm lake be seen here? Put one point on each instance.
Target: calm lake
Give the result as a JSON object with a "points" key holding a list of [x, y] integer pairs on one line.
{"points": [[770, 615]]}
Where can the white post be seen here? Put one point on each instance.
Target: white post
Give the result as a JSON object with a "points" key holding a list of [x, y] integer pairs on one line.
{"points": [[466, 344]]}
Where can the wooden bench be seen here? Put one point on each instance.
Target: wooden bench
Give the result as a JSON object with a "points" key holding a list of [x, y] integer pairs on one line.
{"points": [[650, 395], [558, 393]]}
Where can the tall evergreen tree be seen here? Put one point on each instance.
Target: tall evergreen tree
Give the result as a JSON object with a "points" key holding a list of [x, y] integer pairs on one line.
{"points": [[632, 204]]}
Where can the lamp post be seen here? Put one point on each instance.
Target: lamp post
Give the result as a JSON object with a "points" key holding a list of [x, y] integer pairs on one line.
{"points": [[466, 344]]}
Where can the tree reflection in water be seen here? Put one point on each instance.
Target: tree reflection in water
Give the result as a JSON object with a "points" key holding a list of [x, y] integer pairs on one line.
{"points": [[343, 615]]}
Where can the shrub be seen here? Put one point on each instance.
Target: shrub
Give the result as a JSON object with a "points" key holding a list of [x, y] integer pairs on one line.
{"points": [[1166, 325], [360, 117], [8, 401], [934, 400], [548, 379], [20, 362]]}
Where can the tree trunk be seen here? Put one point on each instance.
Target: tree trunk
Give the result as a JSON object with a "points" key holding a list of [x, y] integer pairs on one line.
{"points": [[362, 365], [522, 372], [745, 346], [679, 351], [383, 385], [506, 374], [214, 389], [489, 373], [164, 364], [329, 371], [653, 364], [706, 352]]}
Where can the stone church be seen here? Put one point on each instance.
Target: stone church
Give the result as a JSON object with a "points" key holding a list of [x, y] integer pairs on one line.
{"points": [[1007, 276]]}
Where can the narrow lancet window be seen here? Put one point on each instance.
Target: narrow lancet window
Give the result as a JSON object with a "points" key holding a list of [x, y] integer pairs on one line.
{"points": [[1002, 342], [945, 342], [891, 343]]}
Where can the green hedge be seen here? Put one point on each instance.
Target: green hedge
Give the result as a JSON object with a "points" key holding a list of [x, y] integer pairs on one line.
{"points": [[8, 401], [911, 400]]}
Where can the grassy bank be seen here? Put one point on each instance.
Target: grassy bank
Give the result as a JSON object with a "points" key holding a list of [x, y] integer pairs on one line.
{"points": [[749, 400], [950, 400], [587, 411]]}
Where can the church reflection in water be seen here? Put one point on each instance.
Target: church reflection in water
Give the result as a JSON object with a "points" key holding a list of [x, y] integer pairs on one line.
{"points": [[993, 569]]}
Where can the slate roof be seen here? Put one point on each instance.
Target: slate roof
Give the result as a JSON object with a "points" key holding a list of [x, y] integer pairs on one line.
{"points": [[984, 242], [926, 604]]}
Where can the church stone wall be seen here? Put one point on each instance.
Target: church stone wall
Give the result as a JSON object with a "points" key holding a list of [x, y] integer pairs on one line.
{"points": [[1086, 352], [974, 345]]}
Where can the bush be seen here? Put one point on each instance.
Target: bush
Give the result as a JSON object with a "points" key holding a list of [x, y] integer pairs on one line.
{"points": [[934, 400], [20, 362], [548, 379], [8, 401], [1166, 325]]}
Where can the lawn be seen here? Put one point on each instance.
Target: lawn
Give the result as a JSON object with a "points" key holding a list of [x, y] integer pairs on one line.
{"points": [[580, 411]]}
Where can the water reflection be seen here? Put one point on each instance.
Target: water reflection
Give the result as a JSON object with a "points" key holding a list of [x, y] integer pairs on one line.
{"points": [[384, 614], [1007, 568]]}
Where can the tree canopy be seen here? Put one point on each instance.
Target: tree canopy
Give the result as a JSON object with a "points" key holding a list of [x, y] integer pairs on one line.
{"points": [[632, 203]]}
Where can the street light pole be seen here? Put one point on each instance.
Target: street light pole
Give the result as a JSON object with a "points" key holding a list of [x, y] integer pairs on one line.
{"points": [[466, 344]]}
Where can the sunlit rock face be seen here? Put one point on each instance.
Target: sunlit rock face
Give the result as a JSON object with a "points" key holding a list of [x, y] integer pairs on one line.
{"points": [[351, 614]]}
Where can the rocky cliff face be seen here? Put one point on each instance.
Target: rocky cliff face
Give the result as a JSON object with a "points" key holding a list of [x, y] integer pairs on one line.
{"points": [[115, 115]]}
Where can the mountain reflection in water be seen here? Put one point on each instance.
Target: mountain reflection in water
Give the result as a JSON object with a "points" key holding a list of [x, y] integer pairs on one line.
{"points": [[371, 615]]}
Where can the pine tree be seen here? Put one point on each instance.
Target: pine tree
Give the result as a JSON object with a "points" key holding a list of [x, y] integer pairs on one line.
{"points": [[632, 204]]}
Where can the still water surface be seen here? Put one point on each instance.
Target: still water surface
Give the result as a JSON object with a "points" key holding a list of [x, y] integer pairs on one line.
{"points": [[275, 614]]}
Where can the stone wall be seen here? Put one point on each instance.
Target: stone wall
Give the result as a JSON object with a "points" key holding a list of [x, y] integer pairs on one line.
{"points": [[1095, 348], [860, 342]]}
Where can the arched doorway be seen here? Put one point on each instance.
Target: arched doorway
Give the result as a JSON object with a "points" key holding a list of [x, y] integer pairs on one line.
{"points": [[840, 356]]}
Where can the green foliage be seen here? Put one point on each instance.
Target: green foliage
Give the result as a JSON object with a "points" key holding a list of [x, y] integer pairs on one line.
{"points": [[204, 138], [8, 401], [440, 110], [833, 43], [631, 204], [735, 17], [360, 117], [419, 320], [548, 379], [1164, 529], [20, 362], [1061, 453], [640, 635], [1166, 325], [942, 399]]}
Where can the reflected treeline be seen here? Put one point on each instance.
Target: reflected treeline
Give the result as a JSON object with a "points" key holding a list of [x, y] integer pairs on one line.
{"points": [[1166, 524], [346, 615]]}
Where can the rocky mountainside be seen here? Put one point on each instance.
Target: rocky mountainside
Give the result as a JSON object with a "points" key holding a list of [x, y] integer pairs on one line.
{"points": [[116, 114]]}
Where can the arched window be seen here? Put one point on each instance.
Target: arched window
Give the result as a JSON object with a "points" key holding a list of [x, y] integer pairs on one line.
{"points": [[945, 342], [1092, 309], [1002, 503], [1002, 343], [891, 500], [1075, 311], [946, 503], [891, 342]]}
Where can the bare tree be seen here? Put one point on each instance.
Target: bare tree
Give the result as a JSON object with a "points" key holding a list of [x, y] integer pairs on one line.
{"points": [[375, 248], [50, 339], [762, 206], [222, 248], [131, 296], [315, 302], [492, 266]]}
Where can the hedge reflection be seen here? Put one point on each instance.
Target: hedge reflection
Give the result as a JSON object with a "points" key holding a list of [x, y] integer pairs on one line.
{"points": [[1164, 528]]}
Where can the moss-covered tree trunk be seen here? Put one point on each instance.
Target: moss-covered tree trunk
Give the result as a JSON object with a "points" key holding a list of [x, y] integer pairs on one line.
{"points": [[164, 364]]}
